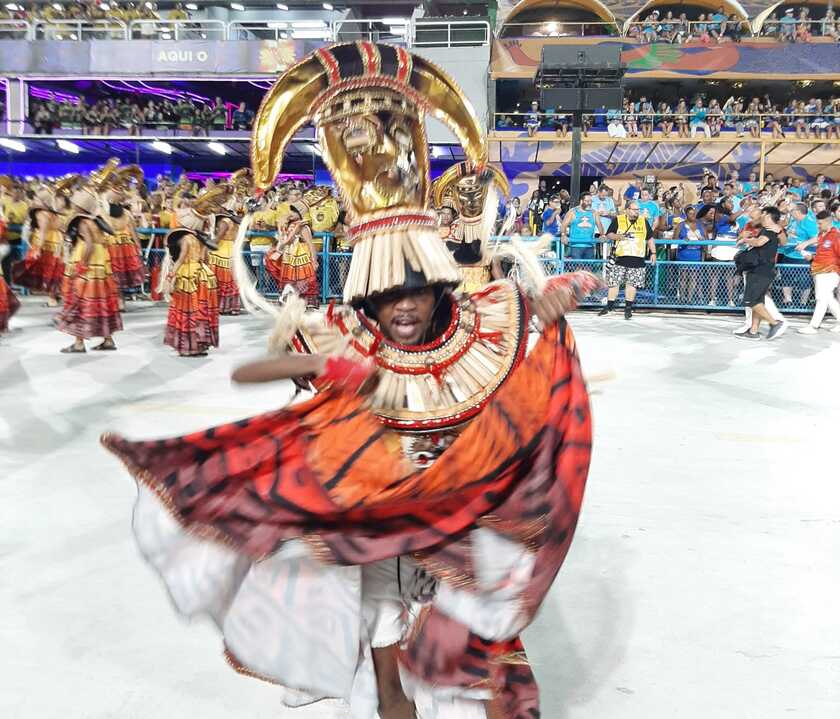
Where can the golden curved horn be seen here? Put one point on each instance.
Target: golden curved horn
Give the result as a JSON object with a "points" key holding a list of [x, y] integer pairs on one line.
{"points": [[211, 200], [134, 172], [99, 179], [65, 184], [290, 104], [284, 109]]}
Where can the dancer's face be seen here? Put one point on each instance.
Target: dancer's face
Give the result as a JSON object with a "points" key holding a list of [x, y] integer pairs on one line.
{"points": [[406, 315]]}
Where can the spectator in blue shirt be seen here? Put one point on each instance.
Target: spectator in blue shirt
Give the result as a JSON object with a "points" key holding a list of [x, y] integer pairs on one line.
{"points": [[649, 208], [697, 119], [532, 119], [801, 227], [797, 187], [690, 230], [552, 218], [632, 191], [604, 206], [787, 26], [582, 223]]}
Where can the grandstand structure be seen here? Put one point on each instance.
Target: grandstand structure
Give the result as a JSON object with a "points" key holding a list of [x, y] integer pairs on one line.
{"points": [[492, 50]]}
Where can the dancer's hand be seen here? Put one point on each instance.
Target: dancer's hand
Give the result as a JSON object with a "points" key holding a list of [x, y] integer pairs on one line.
{"points": [[347, 375], [563, 293]]}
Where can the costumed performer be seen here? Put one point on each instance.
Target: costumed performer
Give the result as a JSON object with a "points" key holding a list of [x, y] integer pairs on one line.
{"points": [[124, 245], [91, 297], [42, 270], [417, 478], [192, 325], [293, 261], [226, 224], [469, 196]]}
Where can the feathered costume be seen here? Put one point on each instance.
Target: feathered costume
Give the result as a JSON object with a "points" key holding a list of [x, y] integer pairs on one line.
{"points": [[281, 527]]}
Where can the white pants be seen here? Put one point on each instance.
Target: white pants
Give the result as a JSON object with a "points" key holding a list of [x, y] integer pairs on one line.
{"points": [[701, 126], [824, 285]]}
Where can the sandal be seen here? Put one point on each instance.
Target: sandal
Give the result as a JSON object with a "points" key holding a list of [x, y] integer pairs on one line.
{"points": [[72, 349], [105, 347]]}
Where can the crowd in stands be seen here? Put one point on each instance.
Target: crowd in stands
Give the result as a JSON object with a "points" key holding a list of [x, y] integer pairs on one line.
{"points": [[91, 11], [713, 27], [130, 115], [801, 27], [814, 118], [712, 211]]}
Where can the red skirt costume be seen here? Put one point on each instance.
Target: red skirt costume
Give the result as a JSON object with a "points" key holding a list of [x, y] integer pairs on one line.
{"points": [[294, 266], [326, 472], [91, 297], [221, 262], [126, 260], [8, 304], [42, 270], [192, 325]]}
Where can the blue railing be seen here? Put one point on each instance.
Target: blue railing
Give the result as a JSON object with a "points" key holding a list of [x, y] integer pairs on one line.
{"points": [[669, 284]]}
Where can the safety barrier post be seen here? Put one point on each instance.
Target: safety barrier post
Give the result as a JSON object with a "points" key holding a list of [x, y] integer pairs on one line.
{"points": [[656, 283], [325, 267]]}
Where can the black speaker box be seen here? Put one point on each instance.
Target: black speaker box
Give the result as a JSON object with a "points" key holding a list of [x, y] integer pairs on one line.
{"points": [[597, 57]]}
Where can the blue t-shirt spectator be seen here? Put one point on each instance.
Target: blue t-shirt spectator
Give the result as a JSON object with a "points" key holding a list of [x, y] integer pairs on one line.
{"points": [[632, 192], [799, 231], [607, 205], [718, 19], [787, 25], [650, 209], [697, 116], [798, 191], [552, 228], [690, 253]]}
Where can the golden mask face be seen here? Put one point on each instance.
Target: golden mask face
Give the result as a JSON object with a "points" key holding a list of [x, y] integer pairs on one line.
{"points": [[378, 157], [471, 195]]}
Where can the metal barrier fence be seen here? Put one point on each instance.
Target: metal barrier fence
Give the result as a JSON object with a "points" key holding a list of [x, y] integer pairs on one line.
{"points": [[669, 283]]}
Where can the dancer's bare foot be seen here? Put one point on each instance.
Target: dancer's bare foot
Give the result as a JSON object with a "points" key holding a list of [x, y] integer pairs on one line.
{"points": [[52, 302]]}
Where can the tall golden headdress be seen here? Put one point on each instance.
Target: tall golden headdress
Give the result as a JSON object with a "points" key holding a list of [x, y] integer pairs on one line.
{"points": [[368, 102], [124, 175], [101, 178], [468, 191]]}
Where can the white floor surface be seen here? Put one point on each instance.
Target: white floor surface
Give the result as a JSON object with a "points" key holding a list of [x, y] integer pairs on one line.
{"points": [[703, 582]]}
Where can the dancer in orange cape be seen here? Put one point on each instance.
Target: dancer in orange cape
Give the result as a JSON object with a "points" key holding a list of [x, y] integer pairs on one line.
{"points": [[386, 541]]}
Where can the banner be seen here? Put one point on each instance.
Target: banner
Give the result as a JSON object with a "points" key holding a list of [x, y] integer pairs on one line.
{"points": [[192, 58], [761, 58]]}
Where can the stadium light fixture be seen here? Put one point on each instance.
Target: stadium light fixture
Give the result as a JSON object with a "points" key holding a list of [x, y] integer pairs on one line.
{"points": [[282, 6], [58, 6], [149, 5], [104, 6], [15, 145], [308, 23], [321, 34], [191, 6], [239, 7], [217, 147], [68, 146], [11, 6], [394, 21], [327, 6], [162, 146]]}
